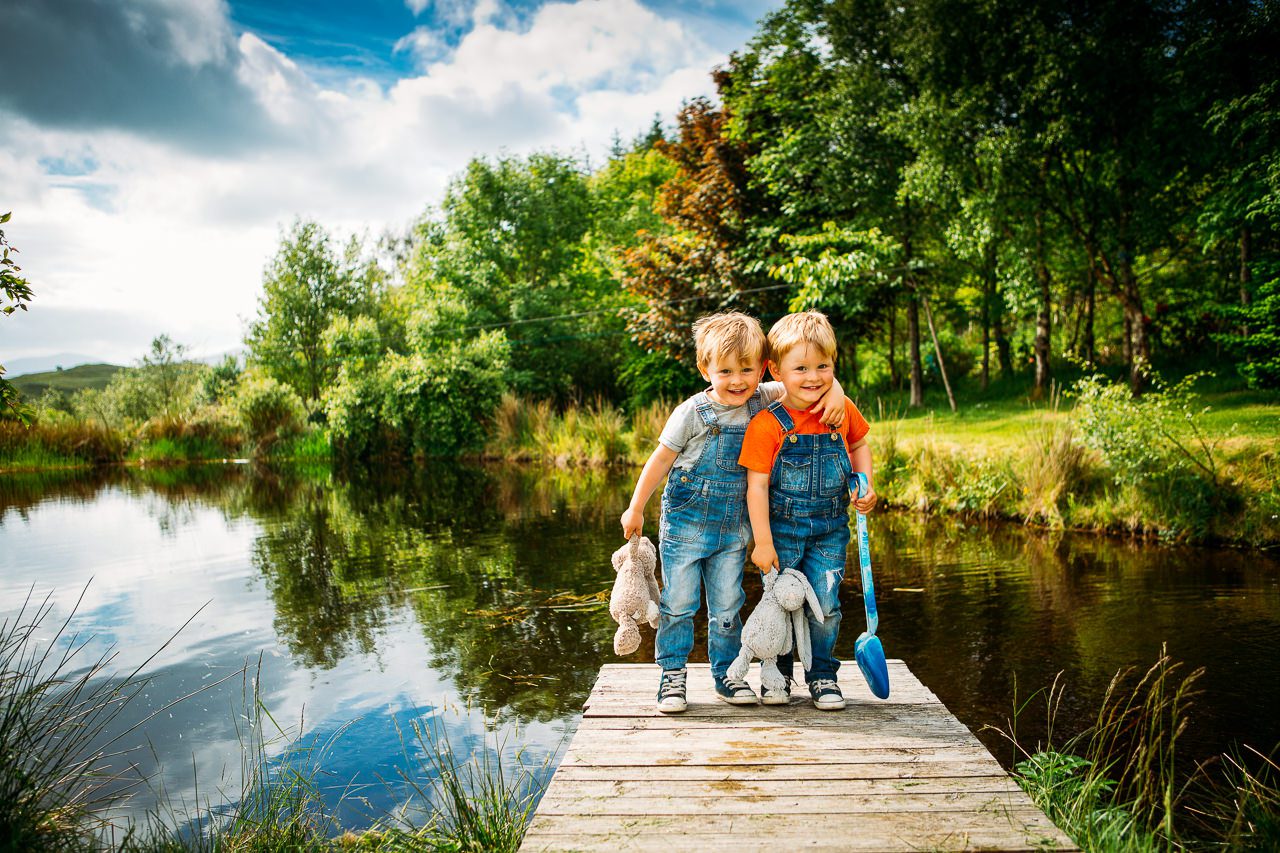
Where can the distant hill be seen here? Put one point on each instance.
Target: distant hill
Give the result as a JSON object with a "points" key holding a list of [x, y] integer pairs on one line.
{"points": [[32, 385], [40, 363]]}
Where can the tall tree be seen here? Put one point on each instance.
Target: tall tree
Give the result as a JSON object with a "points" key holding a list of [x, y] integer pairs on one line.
{"points": [[512, 249], [305, 287], [705, 261]]}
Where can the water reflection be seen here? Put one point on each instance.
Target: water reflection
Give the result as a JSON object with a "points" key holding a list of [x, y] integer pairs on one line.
{"points": [[383, 597]]}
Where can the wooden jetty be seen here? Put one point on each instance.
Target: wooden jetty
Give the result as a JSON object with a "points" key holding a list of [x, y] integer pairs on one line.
{"points": [[900, 774]]}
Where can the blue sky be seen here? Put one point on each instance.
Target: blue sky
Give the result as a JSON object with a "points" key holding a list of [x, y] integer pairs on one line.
{"points": [[154, 149]]}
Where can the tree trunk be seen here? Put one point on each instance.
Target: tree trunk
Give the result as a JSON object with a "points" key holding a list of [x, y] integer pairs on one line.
{"points": [[1044, 319], [1246, 275], [1136, 325], [988, 286], [937, 351], [895, 380], [1090, 356], [1003, 354], [913, 346]]}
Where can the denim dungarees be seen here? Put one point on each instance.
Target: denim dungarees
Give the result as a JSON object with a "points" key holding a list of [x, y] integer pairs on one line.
{"points": [[703, 541], [809, 518]]}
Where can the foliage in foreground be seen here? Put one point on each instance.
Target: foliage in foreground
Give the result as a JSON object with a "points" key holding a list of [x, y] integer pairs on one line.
{"points": [[1116, 785], [62, 767]]}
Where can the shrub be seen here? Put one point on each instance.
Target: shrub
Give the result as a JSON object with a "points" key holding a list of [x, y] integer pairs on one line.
{"points": [[434, 403], [268, 410]]}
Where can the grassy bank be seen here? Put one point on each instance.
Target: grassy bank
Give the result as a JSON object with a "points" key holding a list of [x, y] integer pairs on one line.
{"points": [[75, 444], [1172, 465], [62, 770]]}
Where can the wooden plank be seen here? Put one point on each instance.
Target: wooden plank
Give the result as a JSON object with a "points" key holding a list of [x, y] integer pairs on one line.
{"points": [[866, 717], [904, 770], [562, 786], [791, 803], [997, 829], [606, 756]]}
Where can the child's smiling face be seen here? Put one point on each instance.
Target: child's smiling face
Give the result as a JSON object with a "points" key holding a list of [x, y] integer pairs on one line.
{"points": [[733, 379], [806, 374]]}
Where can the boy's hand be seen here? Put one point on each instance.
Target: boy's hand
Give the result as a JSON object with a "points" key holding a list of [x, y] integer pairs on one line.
{"points": [[867, 502], [632, 523], [832, 405], [765, 558]]}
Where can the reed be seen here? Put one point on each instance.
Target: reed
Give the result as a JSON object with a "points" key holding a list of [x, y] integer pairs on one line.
{"points": [[53, 444], [61, 765], [1053, 465], [1115, 786]]}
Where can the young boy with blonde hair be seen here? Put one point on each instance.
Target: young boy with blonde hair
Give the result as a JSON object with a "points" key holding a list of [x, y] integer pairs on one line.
{"points": [[702, 532], [799, 472]]}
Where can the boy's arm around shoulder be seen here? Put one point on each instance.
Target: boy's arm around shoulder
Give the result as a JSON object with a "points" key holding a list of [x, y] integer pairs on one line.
{"points": [[655, 470]]}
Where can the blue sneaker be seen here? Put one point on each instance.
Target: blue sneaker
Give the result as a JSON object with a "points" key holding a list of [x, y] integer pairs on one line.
{"points": [[826, 694], [734, 692], [671, 691], [776, 695]]}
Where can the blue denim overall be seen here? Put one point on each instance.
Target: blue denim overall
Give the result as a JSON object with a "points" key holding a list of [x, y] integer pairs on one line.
{"points": [[703, 541], [809, 518]]}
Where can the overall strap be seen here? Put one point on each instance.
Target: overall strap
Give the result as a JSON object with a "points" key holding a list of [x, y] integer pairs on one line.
{"points": [[756, 404], [705, 410], [783, 417]]}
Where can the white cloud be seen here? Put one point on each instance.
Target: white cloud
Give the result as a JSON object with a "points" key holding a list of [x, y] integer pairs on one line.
{"points": [[176, 231]]}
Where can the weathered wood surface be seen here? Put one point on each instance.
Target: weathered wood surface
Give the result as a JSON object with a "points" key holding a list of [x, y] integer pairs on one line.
{"points": [[901, 774]]}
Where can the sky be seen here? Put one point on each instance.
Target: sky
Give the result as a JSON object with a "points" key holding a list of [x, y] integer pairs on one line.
{"points": [[154, 151]]}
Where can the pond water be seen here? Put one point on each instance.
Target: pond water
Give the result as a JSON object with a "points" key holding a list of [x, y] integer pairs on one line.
{"points": [[461, 595]]}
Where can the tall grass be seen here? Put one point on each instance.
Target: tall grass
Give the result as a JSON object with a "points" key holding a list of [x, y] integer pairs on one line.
{"points": [[61, 766], [57, 444], [1116, 786]]}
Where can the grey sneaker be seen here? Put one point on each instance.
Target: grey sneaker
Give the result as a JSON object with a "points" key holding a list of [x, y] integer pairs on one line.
{"points": [[734, 692], [776, 695], [671, 691], [826, 694]]}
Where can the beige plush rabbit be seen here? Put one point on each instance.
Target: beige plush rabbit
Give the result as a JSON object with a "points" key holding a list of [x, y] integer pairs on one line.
{"points": [[777, 625], [635, 592]]}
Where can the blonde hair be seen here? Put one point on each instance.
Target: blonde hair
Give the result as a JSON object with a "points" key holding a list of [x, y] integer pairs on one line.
{"points": [[803, 327], [728, 333]]}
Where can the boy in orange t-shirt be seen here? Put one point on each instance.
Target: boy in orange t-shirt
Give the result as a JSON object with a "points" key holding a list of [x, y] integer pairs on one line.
{"points": [[798, 479]]}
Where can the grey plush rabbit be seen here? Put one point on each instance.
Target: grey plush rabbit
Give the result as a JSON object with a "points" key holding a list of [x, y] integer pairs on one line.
{"points": [[776, 626], [635, 592]]}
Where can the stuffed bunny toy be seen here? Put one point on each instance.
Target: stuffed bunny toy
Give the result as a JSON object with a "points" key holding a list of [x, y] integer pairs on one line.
{"points": [[777, 625], [635, 592]]}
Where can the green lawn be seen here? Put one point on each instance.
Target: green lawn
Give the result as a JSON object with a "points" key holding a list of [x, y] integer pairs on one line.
{"points": [[1239, 416]]}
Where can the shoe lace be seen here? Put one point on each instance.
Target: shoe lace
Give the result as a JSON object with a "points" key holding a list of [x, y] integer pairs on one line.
{"points": [[672, 684], [735, 683], [821, 684]]}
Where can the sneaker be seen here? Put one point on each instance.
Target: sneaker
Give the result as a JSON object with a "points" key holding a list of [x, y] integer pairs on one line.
{"points": [[776, 695], [671, 691], [826, 694], [734, 692]]}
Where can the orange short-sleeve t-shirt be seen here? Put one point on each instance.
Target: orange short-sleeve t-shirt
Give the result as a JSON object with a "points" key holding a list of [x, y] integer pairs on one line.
{"points": [[764, 434]]}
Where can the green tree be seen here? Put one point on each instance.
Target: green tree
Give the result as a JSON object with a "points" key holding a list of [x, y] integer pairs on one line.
{"points": [[511, 250], [702, 261], [17, 292], [306, 286]]}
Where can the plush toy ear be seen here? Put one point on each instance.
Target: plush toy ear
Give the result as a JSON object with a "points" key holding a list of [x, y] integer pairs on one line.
{"points": [[804, 649], [811, 597]]}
